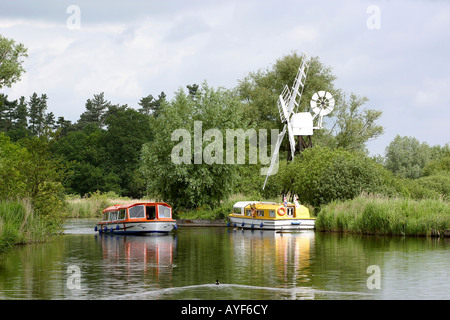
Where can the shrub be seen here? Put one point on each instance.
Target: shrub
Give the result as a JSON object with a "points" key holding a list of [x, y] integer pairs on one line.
{"points": [[321, 175]]}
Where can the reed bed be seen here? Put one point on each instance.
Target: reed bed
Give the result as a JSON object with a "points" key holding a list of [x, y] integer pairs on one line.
{"points": [[379, 215], [20, 225], [92, 206]]}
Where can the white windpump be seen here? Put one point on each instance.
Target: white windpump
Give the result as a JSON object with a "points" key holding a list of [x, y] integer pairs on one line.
{"points": [[301, 123]]}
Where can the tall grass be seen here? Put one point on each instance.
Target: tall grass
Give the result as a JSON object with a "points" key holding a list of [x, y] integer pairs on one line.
{"points": [[386, 216], [20, 225], [92, 206]]}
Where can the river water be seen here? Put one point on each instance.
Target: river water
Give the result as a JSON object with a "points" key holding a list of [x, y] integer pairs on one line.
{"points": [[261, 265]]}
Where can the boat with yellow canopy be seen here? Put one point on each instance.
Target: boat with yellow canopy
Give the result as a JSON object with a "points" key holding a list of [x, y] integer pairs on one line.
{"points": [[271, 216]]}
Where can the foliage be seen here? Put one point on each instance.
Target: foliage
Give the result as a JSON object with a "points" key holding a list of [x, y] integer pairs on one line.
{"points": [[406, 157], [437, 166], [436, 186], [321, 175], [11, 60], [95, 111], [30, 175], [354, 126], [21, 119], [12, 177], [106, 159], [150, 105], [29, 170]]}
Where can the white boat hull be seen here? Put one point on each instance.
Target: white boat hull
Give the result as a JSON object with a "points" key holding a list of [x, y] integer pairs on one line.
{"points": [[272, 224], [150, 227]]}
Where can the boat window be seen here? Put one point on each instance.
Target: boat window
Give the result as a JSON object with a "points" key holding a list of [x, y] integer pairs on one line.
{"points": [[237, 210], [105, 216], [248, 212], [150, 212], [164, 212], [260, 213], [137, 212], [113, 215], [122, 214], [272, 213]]}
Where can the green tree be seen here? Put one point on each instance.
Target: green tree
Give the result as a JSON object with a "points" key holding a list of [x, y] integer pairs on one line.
{"points": [[322, 175], [95, 111], [127, 130], [13, 117], [6, 113], [37, 114], [11, 59], [406, 157], [84, 154], [440, 165], [355, 126], [29, 170], [49, 121], [150, 105], [63, 125], [13, 180], [191, 184], [20, 121]]}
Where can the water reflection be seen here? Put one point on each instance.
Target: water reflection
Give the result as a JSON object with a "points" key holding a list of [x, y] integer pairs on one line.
{"points": [[249, 265], [267, 259], [150, 255], [276, 257]]}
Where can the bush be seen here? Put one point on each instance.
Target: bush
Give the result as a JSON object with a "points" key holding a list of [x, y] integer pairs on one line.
{"points": [[321, 175]]}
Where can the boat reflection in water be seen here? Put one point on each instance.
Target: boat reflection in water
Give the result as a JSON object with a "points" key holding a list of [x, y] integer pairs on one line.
{"points": [[138, 258], [275, 258]]}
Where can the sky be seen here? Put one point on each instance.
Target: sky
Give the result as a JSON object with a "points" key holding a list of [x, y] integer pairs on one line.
{"points": [[396, 53]]}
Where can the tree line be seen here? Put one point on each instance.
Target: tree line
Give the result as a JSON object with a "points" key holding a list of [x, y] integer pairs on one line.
{"points": [[127, 150]]}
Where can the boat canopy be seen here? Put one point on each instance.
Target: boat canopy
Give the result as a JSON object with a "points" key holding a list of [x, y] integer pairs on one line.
{"points": [[117, 207], [239, 207]]}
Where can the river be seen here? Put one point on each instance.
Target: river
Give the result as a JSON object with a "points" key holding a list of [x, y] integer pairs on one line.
{"points": [[250, 265]]}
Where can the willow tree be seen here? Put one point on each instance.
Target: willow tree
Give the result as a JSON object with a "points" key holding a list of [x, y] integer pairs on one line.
{"points": [[185, 164]]}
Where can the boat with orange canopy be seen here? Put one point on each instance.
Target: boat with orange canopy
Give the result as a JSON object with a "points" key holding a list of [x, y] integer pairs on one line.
{"points": [[137, 218]]}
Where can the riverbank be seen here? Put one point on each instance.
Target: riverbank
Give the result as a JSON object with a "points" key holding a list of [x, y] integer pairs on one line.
{"points": [[364, 215], [20, 225], [386, 216]]}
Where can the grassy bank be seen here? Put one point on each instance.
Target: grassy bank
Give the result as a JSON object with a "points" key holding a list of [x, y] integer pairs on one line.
{"points": [[364, 214], [386, 216], [20, 225]]}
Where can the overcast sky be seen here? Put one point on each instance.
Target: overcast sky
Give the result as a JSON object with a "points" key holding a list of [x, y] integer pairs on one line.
{"points": [[396, 53]]}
